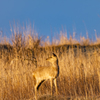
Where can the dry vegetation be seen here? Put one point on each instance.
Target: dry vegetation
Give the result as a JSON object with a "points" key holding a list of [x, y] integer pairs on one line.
{"points": [[79, 77]]}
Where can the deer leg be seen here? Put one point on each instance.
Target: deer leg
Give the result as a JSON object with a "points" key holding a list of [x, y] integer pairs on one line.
{"points": [[36, 92], [55, 83], [51, 85]]}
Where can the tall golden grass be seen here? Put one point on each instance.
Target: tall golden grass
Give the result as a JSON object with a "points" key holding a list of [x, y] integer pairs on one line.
{"points": [[79, 67]]}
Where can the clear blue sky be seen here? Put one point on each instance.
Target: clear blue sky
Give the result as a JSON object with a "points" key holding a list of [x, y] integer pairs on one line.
{"points": [[49, 16]]}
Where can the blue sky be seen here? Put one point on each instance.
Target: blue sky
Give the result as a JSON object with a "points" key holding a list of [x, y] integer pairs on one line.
{"points": [[52, 16]]}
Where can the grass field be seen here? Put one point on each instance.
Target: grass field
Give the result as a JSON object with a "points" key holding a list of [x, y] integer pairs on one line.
{"points": [[79, 64]]}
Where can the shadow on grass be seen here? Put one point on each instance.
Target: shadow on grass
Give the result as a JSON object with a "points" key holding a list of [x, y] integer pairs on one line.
{"points": [[49, 97]]}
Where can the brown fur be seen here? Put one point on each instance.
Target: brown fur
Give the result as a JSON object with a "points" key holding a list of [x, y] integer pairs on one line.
{"points": [[41, 74]]}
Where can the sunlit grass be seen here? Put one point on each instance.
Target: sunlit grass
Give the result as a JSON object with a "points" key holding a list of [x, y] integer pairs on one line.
{"points": [[79, 77]]}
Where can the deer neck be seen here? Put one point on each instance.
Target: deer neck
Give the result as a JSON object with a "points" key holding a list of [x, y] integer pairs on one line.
{"points": [[55, 64]]}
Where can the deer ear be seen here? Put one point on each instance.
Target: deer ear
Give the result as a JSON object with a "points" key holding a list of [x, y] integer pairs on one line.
{"points": [[54, 54]]}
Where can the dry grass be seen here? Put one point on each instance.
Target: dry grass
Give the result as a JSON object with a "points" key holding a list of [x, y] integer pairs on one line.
{"points": [[79, 77]]}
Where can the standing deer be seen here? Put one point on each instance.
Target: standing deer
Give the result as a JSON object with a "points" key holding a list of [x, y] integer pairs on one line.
{"points": [[44, 73]]}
